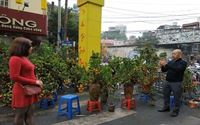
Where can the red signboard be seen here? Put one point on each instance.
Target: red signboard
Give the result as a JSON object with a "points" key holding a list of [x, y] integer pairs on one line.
{"points": [[22, 22]]}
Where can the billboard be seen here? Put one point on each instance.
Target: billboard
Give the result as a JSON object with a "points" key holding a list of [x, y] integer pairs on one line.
{"points": [[22, 22]]}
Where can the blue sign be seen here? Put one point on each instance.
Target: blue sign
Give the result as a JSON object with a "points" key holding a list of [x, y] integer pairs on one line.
{"points": [[68, 43]]}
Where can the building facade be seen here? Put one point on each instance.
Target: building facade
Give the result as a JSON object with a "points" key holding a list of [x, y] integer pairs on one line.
{"points": [[188, 33], [23, 18], [32, 6], [120, 28], [186, 37], [4, 3]]}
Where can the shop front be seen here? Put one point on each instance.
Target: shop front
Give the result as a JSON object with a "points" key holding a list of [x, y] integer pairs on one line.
{"points": [[15, 23]]}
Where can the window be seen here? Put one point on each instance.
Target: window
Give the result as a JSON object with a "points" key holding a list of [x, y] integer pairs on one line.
{"points": [[4, 3]]}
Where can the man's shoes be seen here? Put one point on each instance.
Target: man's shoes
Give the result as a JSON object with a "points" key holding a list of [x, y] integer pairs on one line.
{"points": [[174, 114], [164, 109]]}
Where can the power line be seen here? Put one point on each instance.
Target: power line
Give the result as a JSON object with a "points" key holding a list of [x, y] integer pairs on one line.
{"points": [[177, 11], [151, 3], [128, 17], [121, 10], [117, 12], [122, 15], [185, 15], [145, 21], [137, 11], [136, 31]]}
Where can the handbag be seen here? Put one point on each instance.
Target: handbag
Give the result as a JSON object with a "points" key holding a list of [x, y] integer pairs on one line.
{"points": [[31, 90]]}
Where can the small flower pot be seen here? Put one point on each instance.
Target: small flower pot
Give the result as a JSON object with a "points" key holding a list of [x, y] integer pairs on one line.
{"points": [[104, 96], [94, 92], [128, 91], [111, 107], [1, 96], [193, 104]]}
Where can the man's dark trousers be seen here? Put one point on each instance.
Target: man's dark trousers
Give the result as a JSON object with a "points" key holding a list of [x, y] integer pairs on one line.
{"points": [[176, 88]]}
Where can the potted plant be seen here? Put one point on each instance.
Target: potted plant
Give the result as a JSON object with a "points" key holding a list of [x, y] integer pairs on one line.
{"points": [[127, 75], [187, 81], [99, 77], [75, 75], [111, 107], [94, 77], [108, 87], [163, 55], [5, 82], [148, 68], [50, 68], [188, 85]]}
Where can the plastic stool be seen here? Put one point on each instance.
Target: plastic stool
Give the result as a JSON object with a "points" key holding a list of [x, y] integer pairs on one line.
{"points": [[93, 105], [68, 110], [144, 97], [46, 103], [171, 105], [55, 96], [129, 103], [60, 88]]}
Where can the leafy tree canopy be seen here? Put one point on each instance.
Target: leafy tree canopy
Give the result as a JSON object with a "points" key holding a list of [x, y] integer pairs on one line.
{"points": [[72, 24], [117, 35], [147, 38]]}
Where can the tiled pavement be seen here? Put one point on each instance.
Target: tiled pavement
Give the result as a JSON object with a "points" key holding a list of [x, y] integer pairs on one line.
{"points": [[144, 115]]}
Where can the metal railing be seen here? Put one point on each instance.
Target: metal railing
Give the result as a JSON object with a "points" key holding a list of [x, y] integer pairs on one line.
{"points": [[159, 84]]}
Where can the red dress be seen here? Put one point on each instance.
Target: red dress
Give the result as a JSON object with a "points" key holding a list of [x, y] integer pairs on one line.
{"points": [[21, 72]]}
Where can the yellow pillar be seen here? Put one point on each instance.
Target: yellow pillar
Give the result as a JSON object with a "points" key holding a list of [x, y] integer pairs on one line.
{"points": [[89, 29], [19, 1], [43, 4]]}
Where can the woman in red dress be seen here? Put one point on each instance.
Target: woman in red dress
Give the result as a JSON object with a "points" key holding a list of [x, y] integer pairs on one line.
{"points": [[22, 73]]}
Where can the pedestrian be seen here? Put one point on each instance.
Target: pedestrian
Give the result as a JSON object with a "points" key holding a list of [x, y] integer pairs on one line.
{"points": [[22, 73], [198, 59], [175, 71]]}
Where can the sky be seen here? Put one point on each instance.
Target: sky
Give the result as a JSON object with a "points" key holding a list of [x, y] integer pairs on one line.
{"points": [[143, 15]]}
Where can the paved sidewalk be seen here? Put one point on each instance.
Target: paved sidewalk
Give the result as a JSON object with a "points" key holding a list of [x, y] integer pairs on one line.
{"points": [[99, 118], [144, 115], [147, 115]]}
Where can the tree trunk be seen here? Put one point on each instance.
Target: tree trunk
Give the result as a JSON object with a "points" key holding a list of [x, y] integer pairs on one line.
{"points": [[128, 91], [94, 91]]}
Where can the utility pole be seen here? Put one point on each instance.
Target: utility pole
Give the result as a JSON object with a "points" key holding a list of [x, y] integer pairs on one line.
{"points": [[65, 20], [59, 26], [65, 28]]}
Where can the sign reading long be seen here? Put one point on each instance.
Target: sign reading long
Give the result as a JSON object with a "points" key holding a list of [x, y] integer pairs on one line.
{"points": [[24, 22]]}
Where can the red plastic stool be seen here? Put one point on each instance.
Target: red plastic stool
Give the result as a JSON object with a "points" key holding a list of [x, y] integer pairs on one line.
{"points": [[93, 105], [129, 103]]}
